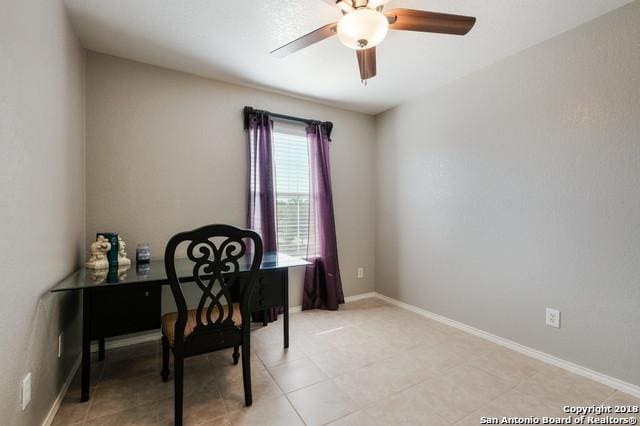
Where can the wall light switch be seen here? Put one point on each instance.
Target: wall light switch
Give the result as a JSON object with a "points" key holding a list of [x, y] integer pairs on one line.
{"points": [[26, 391], [553, 318], [360, 272]]}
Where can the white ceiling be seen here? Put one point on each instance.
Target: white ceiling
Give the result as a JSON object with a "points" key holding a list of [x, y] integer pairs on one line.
{"points": [[230, 40]]}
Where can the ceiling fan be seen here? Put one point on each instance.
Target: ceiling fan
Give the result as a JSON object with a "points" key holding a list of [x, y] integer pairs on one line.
{"points": [[364, 25]]}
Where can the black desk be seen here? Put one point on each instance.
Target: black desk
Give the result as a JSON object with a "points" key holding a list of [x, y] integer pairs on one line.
{"points": [[118, 302]]}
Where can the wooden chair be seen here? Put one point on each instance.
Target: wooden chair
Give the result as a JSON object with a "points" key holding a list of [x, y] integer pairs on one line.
{"points": [[225, 270]]}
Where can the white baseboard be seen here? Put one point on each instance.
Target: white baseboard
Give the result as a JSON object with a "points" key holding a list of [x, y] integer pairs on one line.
{"points": [[348, 299], [534, 353], [360, 296], [151, 336], [63, 391], [116, 343]]}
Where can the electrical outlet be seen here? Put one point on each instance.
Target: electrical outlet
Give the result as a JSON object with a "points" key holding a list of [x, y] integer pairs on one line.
{"points": [[60, 345], [26, 391], [553, 318], [360, 273]]}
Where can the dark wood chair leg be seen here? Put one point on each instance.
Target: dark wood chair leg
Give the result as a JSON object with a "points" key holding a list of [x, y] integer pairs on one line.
{"points": [[236, 354], [178, 378], [264, 318], [165, 359], [246, 372], [101, 349]]}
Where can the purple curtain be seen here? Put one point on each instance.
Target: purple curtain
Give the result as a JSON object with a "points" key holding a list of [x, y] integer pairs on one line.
{"points": [[322, 284], [262, 204]]}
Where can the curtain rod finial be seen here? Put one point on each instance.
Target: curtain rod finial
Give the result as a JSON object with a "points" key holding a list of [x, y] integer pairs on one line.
{"points": [[328, 126], [247, 116]]}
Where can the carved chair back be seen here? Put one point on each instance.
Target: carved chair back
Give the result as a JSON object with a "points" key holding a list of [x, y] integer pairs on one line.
{"points": [[225, 261]]}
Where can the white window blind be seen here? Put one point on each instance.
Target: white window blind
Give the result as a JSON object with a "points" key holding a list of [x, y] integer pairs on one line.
{"points": [[291, 156]]}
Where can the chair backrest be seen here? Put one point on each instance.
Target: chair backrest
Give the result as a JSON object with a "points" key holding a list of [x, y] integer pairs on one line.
{"points": [[221, 259]]}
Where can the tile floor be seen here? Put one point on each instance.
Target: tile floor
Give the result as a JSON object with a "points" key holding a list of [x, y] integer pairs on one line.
{"points": [[369, 363]]}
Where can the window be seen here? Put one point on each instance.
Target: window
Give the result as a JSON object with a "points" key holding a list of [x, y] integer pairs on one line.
{"points": [[291, 157]]}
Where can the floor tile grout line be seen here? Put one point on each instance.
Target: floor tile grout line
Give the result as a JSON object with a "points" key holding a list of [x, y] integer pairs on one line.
{"points": [[332, 379], [371, 403], [304, 355], [492, 400], [286, 396], [519, 381], [215, 384], [224, 405], [87, 418], [294, 409], [417, 384], [90, 402], [500, 395], [95, 391], [361, 367]]}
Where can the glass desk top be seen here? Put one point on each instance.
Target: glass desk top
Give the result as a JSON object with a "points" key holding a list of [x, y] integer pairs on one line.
{"points": [[154, 272]]}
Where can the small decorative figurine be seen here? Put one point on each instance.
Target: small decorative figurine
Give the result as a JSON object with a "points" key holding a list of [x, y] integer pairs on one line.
{"points": [[99, 250], [112, 255], [123, 260], [97, 276]]}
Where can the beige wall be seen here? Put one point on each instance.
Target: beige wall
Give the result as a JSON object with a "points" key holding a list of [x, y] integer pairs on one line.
{"points": [[166, 152], [517, 188], [505, 192], [42, 201]]}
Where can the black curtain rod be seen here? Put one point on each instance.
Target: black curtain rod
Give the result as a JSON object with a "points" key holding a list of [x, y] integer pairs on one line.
{"points": [[249, 111]]}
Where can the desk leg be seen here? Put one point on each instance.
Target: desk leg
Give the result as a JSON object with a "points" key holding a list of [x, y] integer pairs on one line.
{"points": [[86, 345], [285, 305]]}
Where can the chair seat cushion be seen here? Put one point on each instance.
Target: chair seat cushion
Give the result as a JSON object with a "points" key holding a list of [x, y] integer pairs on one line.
{"points": [[169, 320]]}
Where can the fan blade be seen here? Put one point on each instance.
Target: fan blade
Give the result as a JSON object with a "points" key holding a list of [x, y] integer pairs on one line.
{"points": [[306, 40], [429, 22], [367, 63]]}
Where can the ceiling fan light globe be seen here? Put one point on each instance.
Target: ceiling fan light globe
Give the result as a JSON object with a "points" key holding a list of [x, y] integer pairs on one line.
{"points": [[362, 29]]}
